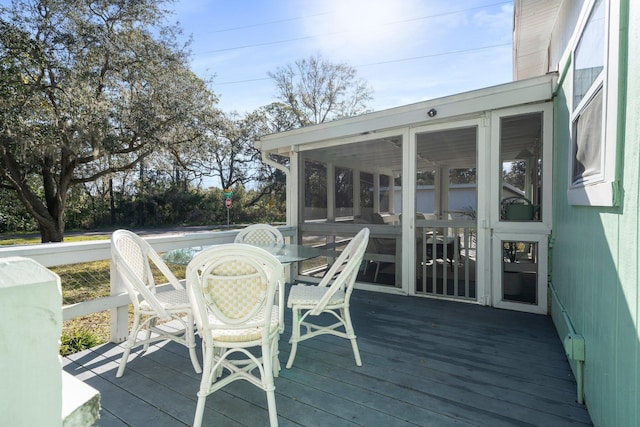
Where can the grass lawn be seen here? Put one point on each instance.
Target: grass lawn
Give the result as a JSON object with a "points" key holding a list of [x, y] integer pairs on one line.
{"points": [[87, 281], [83, 282]]}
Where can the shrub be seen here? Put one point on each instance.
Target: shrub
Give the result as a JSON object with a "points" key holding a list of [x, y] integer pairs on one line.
{"points": [[75, 340]]}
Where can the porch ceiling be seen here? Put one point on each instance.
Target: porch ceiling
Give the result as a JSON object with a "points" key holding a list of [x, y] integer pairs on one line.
{"points": [[373, 156], [455, 147]]}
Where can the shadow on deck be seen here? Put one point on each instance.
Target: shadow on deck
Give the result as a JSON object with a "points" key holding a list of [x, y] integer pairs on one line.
{"points": [[425, 363]]}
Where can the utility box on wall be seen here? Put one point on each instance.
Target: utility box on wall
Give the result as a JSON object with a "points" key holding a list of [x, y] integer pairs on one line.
{"points": [[30, 328]]}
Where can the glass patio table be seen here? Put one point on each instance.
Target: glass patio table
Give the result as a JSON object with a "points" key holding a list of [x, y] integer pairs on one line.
{"points": [[286, 254]]}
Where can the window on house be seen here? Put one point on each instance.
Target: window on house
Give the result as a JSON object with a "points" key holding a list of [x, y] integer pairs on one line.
{"points": [[587, 98], [589, 54], [592, 161]]}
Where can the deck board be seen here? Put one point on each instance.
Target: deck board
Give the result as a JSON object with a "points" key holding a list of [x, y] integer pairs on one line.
{"points": [[425, 363]]}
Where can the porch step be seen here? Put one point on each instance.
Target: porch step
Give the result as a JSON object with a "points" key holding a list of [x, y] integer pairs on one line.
{"points": [[80, 402]]}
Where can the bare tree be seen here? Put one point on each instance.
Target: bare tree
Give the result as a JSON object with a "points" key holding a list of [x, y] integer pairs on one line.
{"points": [[316, 90], [313, 91]]}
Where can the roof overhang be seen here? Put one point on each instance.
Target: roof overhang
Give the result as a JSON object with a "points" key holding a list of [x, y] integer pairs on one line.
{"points": [[455, 107], [533, 22]]}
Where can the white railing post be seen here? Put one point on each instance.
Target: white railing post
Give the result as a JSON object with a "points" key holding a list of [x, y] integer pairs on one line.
{"points": [[30, 327], [120, 314]]}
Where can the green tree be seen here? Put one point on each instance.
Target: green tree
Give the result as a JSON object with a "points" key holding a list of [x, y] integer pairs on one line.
{"points": [[12, 216], [273, 118], [89, 89], [424, 178], [229, 153], [515, 175], [271, 182], [462, 176]]}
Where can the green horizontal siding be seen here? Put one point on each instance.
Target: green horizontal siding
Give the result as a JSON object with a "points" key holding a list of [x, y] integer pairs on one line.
{"points": [[596, 261]]}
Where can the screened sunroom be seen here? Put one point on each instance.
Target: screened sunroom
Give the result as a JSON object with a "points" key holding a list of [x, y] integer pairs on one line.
{"points": [[456, 192]]}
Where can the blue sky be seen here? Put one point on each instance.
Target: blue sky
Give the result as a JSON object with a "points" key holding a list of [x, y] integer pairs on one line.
{"points": [[407, 50]]}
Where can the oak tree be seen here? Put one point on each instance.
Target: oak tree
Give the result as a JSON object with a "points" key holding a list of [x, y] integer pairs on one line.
{"points": [[88, 89]]}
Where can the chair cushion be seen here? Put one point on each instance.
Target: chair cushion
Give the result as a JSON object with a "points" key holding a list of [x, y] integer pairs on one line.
{"points": [[226, 334], [310, 295]]}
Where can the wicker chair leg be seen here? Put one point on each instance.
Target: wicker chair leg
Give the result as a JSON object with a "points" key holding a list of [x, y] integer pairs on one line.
{"points": [[191, 343], [295, 336], [123, 361], [352, 336], [271, 403], [197, 420]]}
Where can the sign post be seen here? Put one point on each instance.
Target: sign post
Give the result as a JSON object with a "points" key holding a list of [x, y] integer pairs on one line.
{"points": [[228, 194]]}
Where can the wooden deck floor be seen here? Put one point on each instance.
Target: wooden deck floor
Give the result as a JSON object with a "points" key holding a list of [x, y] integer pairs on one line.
{"points": [[425, 363]]}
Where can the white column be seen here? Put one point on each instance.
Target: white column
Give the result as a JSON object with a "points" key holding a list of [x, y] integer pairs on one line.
{"points": [[119, 315], [295, 189], [357, 208], [529, 187], [331, 192], [409, 174], [441, 191], [392, 195], [376, 192], [31, 324], [444, 191]]}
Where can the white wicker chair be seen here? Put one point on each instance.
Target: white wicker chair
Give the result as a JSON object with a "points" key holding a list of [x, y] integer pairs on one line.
{"points": [[332, 296], [232, 288], [261, 235], [132, 257]]}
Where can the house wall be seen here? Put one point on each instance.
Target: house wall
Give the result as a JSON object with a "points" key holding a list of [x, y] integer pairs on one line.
{"points": [[595, 258], [462, 199]]}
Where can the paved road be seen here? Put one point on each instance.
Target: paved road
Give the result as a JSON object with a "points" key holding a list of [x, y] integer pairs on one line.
{"points": [[140, 231]]}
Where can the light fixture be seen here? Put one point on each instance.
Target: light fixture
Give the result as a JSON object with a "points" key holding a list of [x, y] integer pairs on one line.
{"points": [[432, 112]]}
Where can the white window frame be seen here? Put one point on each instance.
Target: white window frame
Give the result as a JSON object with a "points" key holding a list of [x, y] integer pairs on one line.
{"points": [[600, 189]]}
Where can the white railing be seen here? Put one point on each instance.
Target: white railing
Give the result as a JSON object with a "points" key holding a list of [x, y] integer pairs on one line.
{"points": [[58, 254], [334, 234], [439, 243], [453, 243]]}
